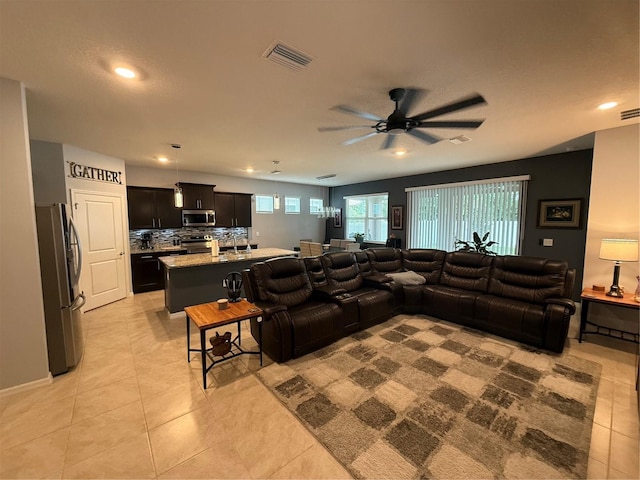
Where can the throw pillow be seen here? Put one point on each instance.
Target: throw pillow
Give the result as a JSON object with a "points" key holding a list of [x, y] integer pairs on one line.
{"points": [[407, 278]]}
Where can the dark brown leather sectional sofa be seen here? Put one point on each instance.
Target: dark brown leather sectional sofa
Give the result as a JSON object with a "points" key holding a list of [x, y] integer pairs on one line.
{"points": [[312, 302]]}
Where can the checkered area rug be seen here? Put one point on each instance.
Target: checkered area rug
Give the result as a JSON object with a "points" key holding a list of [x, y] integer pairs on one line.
{"points": [[421, 398]]}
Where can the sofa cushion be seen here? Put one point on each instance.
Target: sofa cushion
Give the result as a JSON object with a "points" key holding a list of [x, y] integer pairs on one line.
{"points": [[407, 278], [453, 304], [426, 262], [315, 324], [467, 271], [529, 279], [364, 265], [374, 306], [282, 281], [384, 260], [342, 270], [510, 318]]}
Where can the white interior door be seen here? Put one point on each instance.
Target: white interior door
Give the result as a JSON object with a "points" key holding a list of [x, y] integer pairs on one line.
{"points": [[98, 217]]}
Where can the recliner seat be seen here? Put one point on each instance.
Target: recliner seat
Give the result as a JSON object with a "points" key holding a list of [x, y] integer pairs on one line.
{"points": [[375, 304], [295, 322]]}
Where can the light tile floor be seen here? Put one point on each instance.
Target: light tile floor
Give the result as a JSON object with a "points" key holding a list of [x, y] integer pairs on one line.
{"points": [[134, 408]]}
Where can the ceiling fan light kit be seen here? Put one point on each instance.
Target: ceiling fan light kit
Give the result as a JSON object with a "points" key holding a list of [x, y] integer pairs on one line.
{"points": [[399, 122]]}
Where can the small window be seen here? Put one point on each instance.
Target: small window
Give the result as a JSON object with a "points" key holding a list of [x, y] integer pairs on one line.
{"points": [[291, 204], [316, 206], [264, 204]]}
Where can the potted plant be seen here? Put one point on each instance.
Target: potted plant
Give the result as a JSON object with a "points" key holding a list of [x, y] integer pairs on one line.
{"points": [[479, 245], [359, 238]]}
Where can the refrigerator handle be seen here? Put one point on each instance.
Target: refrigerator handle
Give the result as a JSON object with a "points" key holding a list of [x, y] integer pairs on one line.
{"points": [[74, 305], [74, 232]]}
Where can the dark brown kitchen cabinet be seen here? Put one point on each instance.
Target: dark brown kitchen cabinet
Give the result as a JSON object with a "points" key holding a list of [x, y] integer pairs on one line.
{"points": [[147, 271], [233, 209], [197, 196], [152, 208]]}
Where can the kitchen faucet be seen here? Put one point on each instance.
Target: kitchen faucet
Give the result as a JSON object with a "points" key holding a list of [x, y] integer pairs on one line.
{"points": [[235, 244]]}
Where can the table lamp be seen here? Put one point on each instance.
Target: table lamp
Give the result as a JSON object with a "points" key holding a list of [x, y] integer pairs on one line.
{"points": [[618, 250]]}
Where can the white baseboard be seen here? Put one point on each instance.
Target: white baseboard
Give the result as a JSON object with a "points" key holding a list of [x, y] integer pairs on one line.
{"points": [[43, 382]]}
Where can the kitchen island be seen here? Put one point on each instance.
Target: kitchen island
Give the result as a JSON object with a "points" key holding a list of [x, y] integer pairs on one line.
{"points": [[197, 278]]}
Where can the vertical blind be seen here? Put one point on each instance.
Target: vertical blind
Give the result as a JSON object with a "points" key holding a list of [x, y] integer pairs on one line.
{"points": [[439, 215]]}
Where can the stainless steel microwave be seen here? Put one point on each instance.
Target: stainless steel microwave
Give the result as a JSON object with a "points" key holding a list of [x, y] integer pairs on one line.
{"points": [[198, 218]]}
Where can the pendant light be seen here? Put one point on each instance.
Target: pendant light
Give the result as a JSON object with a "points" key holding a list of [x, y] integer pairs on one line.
{"points": [[178, 199], [276, 197]]}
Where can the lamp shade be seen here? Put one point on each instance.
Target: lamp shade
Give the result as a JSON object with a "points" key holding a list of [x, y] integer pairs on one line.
{"points": [[619, 249]]}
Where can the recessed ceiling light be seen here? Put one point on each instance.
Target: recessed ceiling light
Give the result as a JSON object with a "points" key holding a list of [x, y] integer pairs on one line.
{"points": [[249, 170], [607, 106], [125, 72], [163, 159], [400, 153]]}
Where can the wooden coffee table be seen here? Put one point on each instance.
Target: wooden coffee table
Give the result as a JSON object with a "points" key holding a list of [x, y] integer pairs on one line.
{"points": [[207, 316]]}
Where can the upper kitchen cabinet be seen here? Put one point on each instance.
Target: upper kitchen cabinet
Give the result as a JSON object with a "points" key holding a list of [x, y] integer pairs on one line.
{"points": [[197, 196], [233, 209], [152, 208]]}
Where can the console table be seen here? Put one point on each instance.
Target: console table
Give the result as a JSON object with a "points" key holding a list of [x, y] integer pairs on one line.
{"points": [[588, 296]]}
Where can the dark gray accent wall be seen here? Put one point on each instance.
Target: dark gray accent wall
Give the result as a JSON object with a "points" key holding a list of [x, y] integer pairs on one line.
{"points": [[561, 176]]}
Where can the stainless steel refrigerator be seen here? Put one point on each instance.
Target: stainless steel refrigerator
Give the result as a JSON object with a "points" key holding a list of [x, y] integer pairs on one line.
{"points": [[60, 266]]}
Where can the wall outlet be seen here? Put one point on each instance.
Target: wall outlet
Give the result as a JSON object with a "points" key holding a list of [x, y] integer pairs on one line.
{"points": [[257, 234], [547, 242]]}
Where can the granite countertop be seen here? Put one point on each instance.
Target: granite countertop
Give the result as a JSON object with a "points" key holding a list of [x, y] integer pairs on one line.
{"points": [[157, 249], [200, 259]]}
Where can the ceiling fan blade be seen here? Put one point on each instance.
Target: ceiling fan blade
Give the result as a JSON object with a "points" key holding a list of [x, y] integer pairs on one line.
{"points": [[334, 129], [452, 124], [352, 111], [358, 139], [452, 107], [411, 98], [388, 142], [425, 137]]}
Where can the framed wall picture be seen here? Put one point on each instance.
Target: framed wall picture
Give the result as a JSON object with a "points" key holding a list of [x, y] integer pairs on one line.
{"points": [[396, 218], [559, 213], [337, 218]]}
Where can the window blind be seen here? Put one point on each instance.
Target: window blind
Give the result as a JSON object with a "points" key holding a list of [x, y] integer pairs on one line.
{"points": [[438, 215]]}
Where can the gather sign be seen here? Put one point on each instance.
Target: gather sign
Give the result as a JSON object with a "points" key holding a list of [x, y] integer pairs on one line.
{"points": [[77, 170]]}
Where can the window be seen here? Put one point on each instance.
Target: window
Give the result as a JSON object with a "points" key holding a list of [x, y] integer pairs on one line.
{"points": [[367, 214], [291, 204], [316, 205], [264, 204], [441, 214]]}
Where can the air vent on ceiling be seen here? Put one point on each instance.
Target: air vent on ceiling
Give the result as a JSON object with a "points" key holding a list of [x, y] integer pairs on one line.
{"points": [[323, 177], [459, 139], [287, 56], [627, 114]]}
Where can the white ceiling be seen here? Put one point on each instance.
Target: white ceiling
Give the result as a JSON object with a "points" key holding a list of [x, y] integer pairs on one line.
{"points": [[542, 65]]}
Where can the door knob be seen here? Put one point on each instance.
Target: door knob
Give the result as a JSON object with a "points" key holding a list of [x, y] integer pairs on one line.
{"points": [[121, 253]]}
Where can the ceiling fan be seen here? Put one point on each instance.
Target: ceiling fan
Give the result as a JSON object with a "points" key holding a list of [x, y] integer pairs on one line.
{"points": [[398, 122]]}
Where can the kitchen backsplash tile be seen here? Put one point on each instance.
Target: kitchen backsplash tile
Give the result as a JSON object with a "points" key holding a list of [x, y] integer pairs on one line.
{"points": [[165, 238]]}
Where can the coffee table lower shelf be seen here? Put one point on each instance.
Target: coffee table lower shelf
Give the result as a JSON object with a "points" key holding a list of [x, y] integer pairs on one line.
{"points": [[207, 316]]}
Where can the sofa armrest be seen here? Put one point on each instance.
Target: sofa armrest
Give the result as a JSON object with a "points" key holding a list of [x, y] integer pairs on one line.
{"points": [[325, 292], [563, 302], [270, 309], [377, 279]]}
